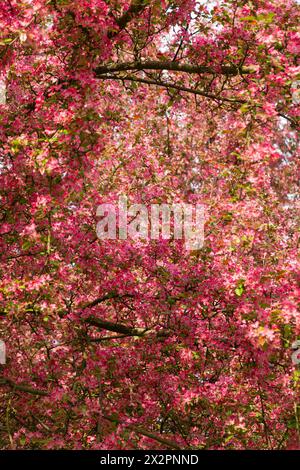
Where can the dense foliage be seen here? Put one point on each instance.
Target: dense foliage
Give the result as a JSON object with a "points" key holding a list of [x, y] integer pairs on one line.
{"points": [[140, 343]]}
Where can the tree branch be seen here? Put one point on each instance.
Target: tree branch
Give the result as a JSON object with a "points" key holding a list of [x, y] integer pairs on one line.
{"points": [[107, 325], [138, 430], [136, 7], [110, 295], [171, 66], [175, 87], [115, 327], [112, 326], [144, 432], [22, 387]]}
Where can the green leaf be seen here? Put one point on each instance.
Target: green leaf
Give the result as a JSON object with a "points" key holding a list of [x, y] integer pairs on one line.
{"points": [[266, 18], [228, 438], [26, 245], [252, 19], [296, 376], [244, 108], [5, 41], [239, 290]]}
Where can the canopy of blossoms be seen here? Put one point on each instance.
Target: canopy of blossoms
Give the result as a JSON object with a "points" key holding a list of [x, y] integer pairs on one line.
{"points": [[140, 344]]}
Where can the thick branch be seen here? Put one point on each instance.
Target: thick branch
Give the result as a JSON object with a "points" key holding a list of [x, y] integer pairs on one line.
{"points": [[115, 327], [111, 295], [107, 338], [22, 387], [171, 66], [112, 326], [107, 325], [144, 432], [136, 7]]}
